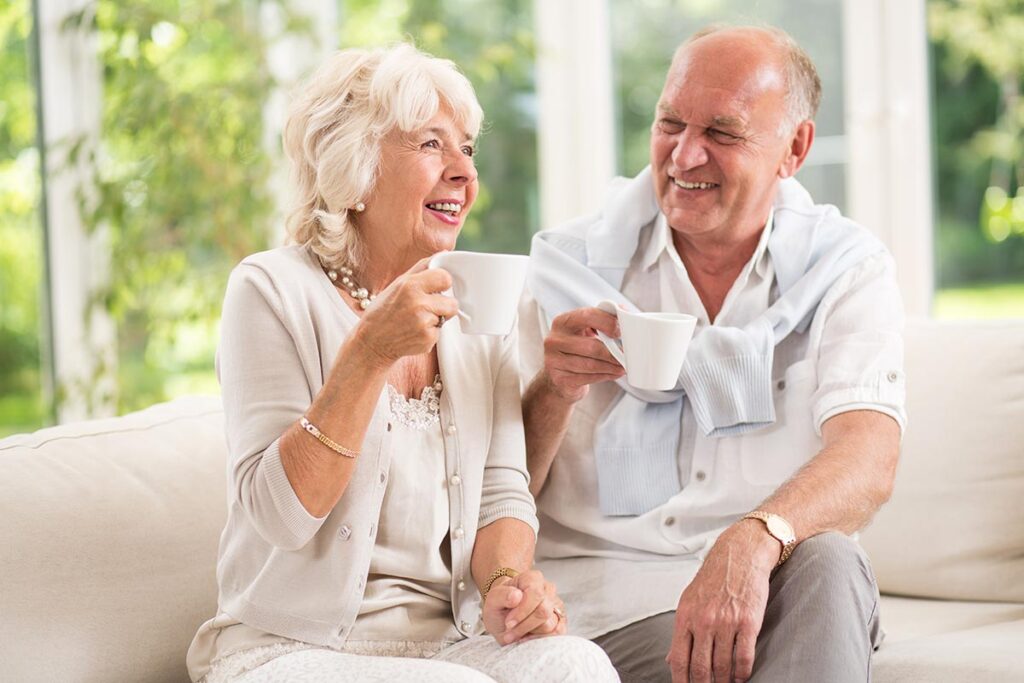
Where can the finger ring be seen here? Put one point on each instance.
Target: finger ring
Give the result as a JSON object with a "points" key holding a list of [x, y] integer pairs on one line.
{"points": [[440, 320]]}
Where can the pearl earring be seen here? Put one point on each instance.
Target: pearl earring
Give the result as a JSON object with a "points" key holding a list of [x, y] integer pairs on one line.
{"points": [[360, 207]]}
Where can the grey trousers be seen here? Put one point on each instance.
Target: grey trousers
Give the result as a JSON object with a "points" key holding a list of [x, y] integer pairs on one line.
{"points": [[821, 623]]}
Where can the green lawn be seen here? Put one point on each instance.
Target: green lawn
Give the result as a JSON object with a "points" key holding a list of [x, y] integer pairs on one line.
{"points": [[976, 302]]}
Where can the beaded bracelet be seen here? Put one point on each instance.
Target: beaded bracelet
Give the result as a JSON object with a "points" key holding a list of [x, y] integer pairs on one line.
{"points": [[325, 440]]}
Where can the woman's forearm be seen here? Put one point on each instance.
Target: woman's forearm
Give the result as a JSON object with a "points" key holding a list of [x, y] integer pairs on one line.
{"points": [[342, 411], [508, 542]]}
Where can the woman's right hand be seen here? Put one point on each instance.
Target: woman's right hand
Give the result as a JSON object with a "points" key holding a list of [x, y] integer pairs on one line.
{"points": [[404, 318]]}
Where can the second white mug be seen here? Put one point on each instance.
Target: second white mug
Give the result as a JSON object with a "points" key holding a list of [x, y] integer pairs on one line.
{"points": [[653, 347]]}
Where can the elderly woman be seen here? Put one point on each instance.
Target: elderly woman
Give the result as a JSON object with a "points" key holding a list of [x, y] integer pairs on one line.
{"points": [[377, 464]]}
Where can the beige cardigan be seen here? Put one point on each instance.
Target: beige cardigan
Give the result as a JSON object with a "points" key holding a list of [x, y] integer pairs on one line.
{"points": [[289, 573]]}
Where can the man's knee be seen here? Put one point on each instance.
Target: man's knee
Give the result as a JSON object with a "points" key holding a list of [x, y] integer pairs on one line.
{"points": [[827, 561]]}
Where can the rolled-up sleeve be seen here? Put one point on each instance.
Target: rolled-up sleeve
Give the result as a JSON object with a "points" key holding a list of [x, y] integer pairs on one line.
{"points": [[265, 391], [860, 352], [506, 483]]}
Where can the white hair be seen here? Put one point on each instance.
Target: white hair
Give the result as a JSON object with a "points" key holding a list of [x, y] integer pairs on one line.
{"points": [[335, 125]]}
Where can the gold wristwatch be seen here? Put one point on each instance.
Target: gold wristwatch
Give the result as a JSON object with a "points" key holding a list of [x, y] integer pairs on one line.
{"points": [[780, 530]]}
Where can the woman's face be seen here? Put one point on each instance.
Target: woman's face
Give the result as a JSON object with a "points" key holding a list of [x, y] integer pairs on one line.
{"points": [[426, 186]]}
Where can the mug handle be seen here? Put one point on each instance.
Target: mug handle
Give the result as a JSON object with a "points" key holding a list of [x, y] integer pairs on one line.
{"points": [[437, 261], [614, 346]]}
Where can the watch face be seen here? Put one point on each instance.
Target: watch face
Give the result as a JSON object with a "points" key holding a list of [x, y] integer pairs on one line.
{"points": [[780, 528]]}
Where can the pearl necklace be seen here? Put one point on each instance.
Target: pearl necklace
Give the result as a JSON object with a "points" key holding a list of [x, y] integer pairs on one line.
{"points": [[360, 294]]}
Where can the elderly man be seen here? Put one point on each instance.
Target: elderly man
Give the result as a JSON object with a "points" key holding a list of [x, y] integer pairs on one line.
{"points": [[703, 533]]}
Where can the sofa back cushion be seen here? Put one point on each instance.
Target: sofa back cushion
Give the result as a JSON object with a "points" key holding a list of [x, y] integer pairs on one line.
{"points": [[954, 528], [108, 544]]}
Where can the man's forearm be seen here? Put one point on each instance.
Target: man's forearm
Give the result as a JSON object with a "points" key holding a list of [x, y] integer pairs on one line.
{"points": [[546, 419], [847, 481]]}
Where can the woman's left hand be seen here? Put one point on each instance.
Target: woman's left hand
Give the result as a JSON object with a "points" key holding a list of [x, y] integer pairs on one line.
{"points": [[524, 607]]}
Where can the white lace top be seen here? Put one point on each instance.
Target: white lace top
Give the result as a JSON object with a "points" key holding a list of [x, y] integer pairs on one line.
{"points": [[407, 589], [409, 584]]}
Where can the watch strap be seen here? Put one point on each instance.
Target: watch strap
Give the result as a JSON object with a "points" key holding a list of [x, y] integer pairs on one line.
{"points": [[788, 544]]}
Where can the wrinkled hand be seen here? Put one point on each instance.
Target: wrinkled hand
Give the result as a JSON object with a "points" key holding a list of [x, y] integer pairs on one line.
{"points": [[574, 358], [523, 608], [721, 611], [403, 318]]}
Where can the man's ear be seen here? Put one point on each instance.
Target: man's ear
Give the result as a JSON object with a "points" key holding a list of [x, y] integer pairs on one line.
{"points": [[796, 152]]}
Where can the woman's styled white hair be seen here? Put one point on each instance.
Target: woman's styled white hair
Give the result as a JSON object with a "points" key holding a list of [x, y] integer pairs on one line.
{"points": [[335, 126]]}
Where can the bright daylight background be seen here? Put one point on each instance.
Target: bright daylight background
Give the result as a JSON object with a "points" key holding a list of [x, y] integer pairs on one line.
{"points": [[157, 123]]}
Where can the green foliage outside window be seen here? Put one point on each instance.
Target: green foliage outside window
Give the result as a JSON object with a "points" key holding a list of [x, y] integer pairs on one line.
{"points": [[180, 179], [978, 74], [21, 404]]}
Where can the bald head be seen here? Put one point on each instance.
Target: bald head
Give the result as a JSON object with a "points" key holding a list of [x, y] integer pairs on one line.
{"points": [[769, 57]]}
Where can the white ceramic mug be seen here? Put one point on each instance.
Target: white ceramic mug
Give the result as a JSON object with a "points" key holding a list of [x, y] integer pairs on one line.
{"points": [[653, 346], [487, 286]]}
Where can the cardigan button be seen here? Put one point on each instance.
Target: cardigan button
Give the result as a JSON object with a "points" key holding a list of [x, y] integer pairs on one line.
{"points": [[461, 585], [451, 428], [466, 626], [459, 533], [456, 480]]}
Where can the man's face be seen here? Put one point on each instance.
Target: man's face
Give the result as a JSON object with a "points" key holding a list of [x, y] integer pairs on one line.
{"points": [[716, 152]]}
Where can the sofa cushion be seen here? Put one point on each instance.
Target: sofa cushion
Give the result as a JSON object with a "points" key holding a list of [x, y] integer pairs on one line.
{"points": [[909, 618], [985, 654], [108, 544], [954, 528]]}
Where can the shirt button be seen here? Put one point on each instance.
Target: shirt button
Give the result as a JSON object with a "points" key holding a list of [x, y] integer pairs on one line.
{"points": [[459, 533], [781, 384], [456, 480], [461, 585], [701, 475], [344, 532], [451, 428], [383, 476], [389, 426], [892, 376], [669, 521], [373, 527]]}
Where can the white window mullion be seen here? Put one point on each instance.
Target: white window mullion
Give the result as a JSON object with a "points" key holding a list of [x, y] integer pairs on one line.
{"points": [[575, 115], [888, 126], [291, 57], [83, 334]]}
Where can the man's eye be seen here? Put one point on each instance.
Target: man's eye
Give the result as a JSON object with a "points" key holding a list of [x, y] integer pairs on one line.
{"points": [[723, 137], [670, 126]]}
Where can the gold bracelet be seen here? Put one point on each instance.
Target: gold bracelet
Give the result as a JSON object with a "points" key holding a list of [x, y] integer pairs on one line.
{"points": [[495, 575], [325, 440]]}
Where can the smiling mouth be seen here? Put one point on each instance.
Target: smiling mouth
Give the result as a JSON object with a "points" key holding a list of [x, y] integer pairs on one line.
{"points": [[694, 186], [452, 209]]}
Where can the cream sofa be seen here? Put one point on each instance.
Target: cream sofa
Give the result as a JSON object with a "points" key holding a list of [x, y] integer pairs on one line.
{"points": [[109, 529]]}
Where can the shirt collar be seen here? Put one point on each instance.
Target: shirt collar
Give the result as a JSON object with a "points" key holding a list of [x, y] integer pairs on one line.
{"points": [[661, 241]]}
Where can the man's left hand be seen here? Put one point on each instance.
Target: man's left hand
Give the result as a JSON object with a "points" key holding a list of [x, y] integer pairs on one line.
{"points": [[721, 611]]}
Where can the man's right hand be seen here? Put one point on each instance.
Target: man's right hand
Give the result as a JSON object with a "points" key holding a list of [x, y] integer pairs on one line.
{"points": [[574, 358]]}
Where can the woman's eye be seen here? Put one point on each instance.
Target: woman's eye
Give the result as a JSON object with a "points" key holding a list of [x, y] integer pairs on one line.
{"points": [[432, 144], [468, 151]]}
